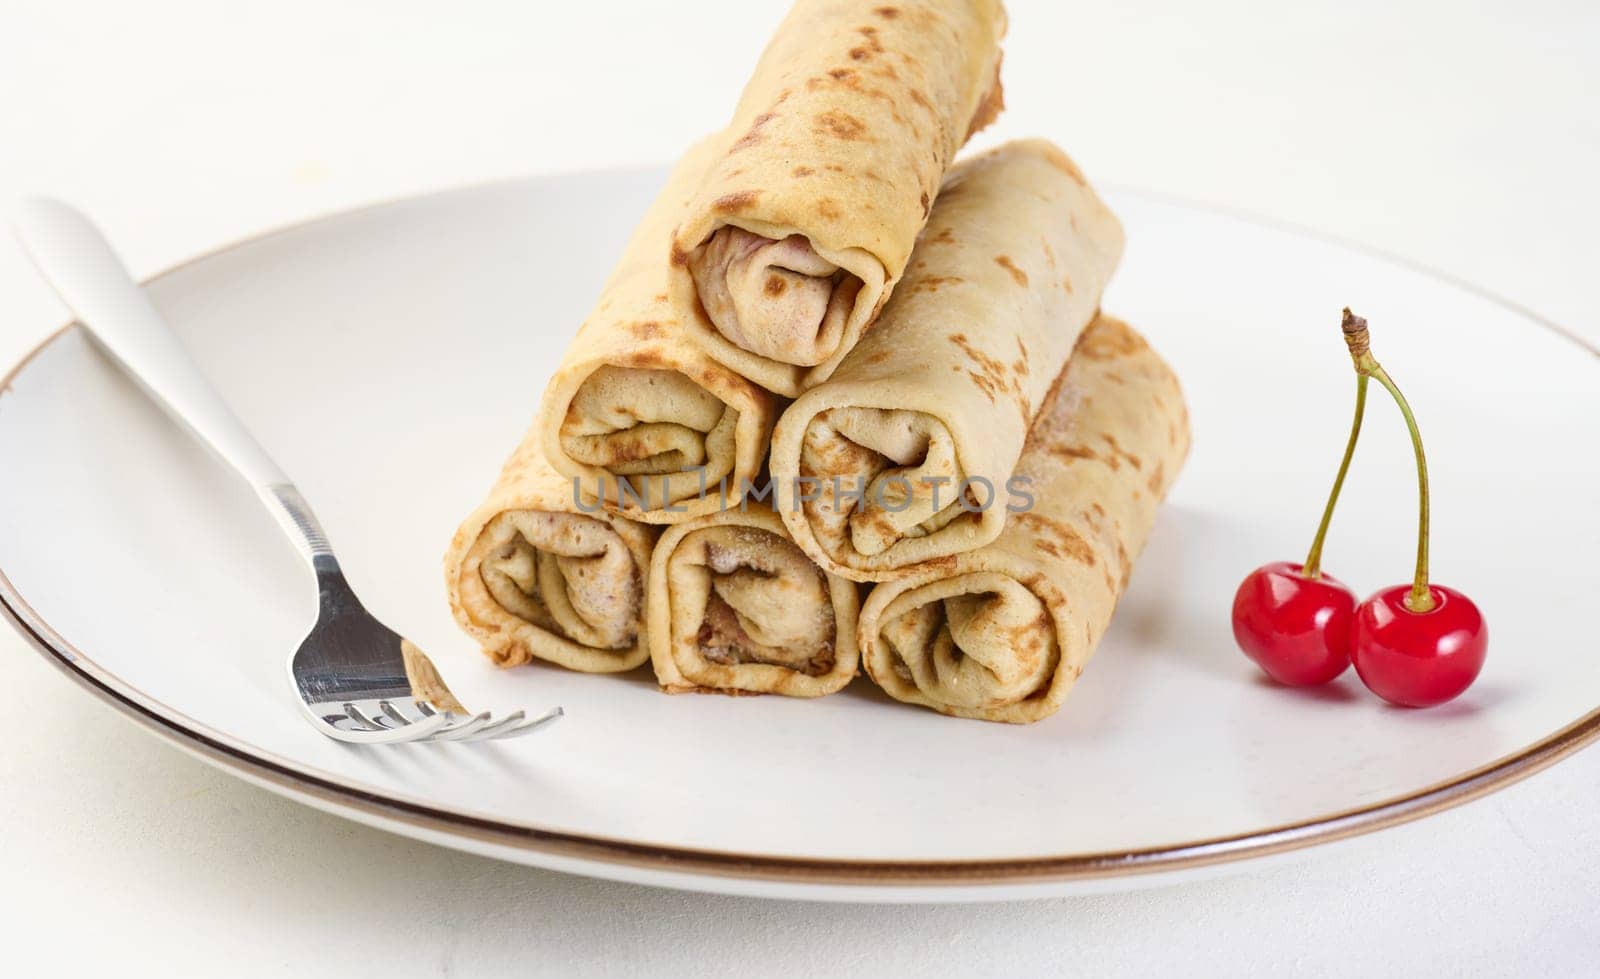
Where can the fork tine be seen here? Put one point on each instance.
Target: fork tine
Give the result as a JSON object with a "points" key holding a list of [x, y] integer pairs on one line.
{"points": [[463, 730], [491, 730], [355, 714], [421, 730], [389, 710], [528, 727], [404, 734]]}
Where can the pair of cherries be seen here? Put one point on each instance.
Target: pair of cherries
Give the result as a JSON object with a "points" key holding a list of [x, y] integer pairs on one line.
{"points": [[1415, 645]]}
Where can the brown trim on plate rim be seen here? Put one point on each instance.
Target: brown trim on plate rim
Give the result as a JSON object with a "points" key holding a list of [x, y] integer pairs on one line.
{"points": [[290, 779]]}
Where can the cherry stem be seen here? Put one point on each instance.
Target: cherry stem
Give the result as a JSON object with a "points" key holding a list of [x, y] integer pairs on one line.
{"points": [[1355, 334], [1313, 565]]}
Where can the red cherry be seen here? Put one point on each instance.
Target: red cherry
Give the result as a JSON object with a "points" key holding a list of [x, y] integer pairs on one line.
{"points": [[1418, 659], [1294, 627]]}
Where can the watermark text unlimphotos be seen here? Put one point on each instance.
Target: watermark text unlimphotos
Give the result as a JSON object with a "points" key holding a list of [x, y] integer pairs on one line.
{"points": [[893, 494]]}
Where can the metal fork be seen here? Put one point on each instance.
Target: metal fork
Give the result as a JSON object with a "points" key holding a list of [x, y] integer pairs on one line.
{"points": [[357, 679]]}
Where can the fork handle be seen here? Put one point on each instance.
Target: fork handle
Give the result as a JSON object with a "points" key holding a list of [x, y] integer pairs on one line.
{"points": [[80, 265]]}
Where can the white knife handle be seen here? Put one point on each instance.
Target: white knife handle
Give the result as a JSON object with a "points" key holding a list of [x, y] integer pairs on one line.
{"points": [[80, 265]]}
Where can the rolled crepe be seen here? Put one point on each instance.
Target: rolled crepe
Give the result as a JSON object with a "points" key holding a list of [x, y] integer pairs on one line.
{"points": [[735, 608], [1002, 633], [902, 457], [637, 414], [801, 227], [530, 575]]}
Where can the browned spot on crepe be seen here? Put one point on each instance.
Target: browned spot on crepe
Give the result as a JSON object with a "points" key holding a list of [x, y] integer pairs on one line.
{"points": [[1004, 261], [729, 203], [774, 285], [679, 256], [933, 282], [838, 78], [753, 135], [1020, 399], [887, 13], [841, 125], [1058, 538], [946, 236], [645, 330], [694, 688], [878, 521], [996, 376], [647, 358], [707, 377], [925, 205], [828, 208], [993, 104], [803, 171], [1158, 478], [625, 447], [1127, 457], [1073, 452]]}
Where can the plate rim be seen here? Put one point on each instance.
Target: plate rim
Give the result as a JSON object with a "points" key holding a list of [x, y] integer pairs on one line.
{"points": [[341, 795]]}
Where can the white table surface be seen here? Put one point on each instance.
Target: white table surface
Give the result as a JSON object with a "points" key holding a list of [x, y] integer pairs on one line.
{"points": [[1464, 134]]}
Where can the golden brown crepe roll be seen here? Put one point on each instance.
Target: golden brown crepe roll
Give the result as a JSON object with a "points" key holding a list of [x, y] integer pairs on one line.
{"points": [[902, 457], [1001, 633], [637, 413], [529, 575], [803, 224], [735, 608]]}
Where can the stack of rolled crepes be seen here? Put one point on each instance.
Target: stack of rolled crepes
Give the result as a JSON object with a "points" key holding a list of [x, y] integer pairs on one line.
{"points": [[968, 432]]}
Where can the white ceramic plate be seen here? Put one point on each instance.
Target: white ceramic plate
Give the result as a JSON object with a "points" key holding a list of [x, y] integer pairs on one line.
{"points": [[390, 357]]}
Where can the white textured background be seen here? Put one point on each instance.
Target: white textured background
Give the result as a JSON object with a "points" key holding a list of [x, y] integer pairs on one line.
{"points": [[1465, 134]]}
